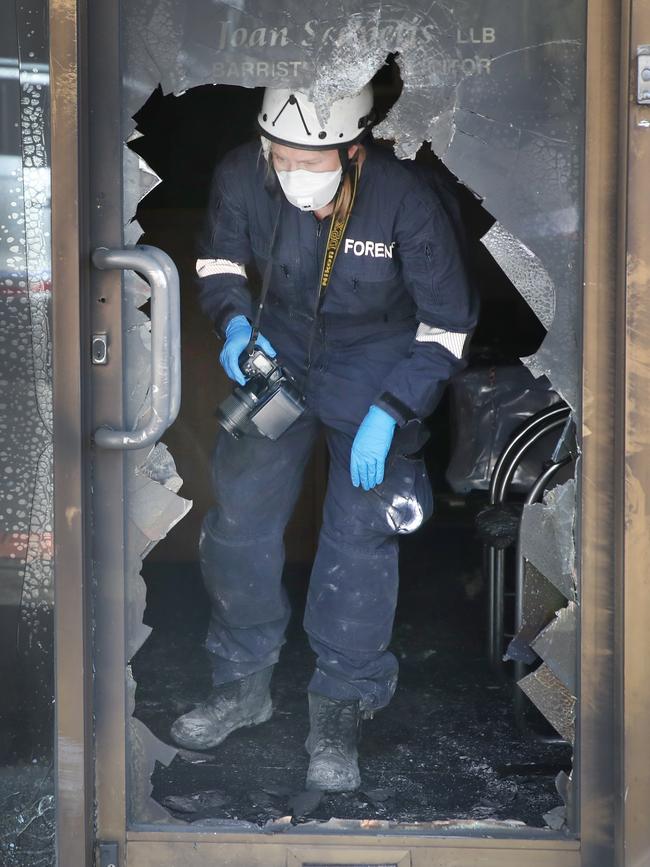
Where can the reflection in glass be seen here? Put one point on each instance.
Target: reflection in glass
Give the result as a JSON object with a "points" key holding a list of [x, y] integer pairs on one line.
{"points": [[26, 545]]}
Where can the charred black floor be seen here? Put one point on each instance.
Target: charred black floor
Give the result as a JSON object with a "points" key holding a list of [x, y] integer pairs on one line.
{"points": [[450, 745]]}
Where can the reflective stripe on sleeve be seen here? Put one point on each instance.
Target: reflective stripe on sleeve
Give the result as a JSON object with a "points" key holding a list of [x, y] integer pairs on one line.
{"points": [[452, 340], [208, 267]]}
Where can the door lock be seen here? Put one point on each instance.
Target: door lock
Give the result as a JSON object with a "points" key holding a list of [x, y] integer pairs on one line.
{"points": [[99, 348], [108, 855]]}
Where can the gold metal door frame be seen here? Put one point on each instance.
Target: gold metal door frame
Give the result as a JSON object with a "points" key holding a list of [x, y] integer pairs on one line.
{"points": [[73, 666], [250, 851], [633, 451], [615, 692], [595, 762]]}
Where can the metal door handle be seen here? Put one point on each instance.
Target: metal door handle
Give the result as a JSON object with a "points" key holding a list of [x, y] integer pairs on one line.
{"points": [[162, 276], [174, 322]]}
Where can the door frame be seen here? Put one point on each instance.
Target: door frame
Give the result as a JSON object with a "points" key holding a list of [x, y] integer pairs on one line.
{"points": [[633, 453], [614, 545], [73, 752]]}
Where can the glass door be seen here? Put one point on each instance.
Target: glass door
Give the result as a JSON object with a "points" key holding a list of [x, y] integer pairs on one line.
{"points": [[489, 100]]}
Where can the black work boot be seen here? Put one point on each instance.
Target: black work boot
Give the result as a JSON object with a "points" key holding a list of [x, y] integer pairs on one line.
{"points": [[231, 706], [332, 744]]}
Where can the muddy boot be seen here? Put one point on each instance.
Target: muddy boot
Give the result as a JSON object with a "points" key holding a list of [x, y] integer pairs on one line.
{"points": [[332, 744], [231, 706]]}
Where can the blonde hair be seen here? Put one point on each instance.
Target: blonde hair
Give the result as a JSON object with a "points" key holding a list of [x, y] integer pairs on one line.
{"points": [[344, 197]]}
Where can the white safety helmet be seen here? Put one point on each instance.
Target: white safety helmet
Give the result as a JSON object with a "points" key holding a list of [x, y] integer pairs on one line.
{"points": [[289, 117]]}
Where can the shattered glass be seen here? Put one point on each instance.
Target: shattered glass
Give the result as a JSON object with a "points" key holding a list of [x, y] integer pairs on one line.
{"points": [[540, 602], [497, 91], [553, 699], [556, 645], [26, 541], [548, 537]]}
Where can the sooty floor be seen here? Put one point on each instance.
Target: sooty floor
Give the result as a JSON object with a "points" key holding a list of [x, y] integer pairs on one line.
{"points": [[448, 747]]}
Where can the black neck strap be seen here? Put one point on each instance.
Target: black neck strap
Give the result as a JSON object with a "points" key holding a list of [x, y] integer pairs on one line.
{"points": [[266, 279]]}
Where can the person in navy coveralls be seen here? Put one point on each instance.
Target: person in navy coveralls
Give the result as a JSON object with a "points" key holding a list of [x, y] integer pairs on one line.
{"points": [[373, 352]]}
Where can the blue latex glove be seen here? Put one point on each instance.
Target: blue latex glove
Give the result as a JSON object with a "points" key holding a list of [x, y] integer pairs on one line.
{"points": [[238, 333], [370, 448]]}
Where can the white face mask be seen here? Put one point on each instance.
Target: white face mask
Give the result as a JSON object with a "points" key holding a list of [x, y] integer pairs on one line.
{"points": [[309, 191]]}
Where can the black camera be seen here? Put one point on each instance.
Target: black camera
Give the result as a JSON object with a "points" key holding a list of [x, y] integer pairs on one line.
{"points": [[270, 401]]}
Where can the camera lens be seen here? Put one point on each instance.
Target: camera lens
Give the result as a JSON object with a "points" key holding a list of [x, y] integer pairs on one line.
{"points": [[232, 413]]}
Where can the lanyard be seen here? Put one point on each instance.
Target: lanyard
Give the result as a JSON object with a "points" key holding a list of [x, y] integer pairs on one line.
{"points": [[334, 240], [335, 237]]}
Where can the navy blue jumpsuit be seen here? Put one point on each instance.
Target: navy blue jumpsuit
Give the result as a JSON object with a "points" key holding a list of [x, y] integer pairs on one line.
{"points": [[398, 266]]}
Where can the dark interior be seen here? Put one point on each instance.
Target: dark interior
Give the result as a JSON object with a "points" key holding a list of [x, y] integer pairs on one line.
{"points": [[458, 741]]}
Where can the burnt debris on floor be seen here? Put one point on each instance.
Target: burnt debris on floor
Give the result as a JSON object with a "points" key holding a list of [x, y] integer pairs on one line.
{"points": [[449, 746]]}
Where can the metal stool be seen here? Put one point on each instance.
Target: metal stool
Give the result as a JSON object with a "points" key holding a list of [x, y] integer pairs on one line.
{"points": [[537, 427]]}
